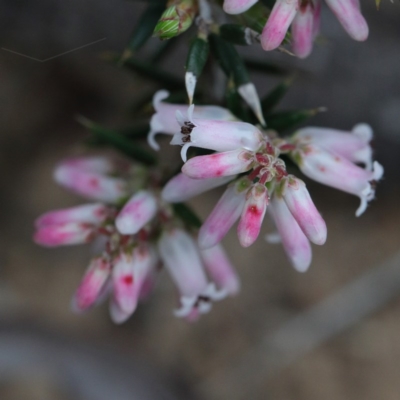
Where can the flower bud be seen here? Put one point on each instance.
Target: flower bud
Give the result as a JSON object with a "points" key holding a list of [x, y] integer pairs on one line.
{"points": [[176, 19]]}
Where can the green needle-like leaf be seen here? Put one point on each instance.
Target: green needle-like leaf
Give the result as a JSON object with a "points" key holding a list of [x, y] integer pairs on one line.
{"points": [[118, 141], [187, 215], [272, 99], [284, 120]]}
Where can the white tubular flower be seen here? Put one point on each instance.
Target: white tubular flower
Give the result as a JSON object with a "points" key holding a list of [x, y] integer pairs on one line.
{"points": [[354, 145], [295, 242], [215, 134], [336, 171], [164, 120], [181, 258], [220, 269], [301, 206]]}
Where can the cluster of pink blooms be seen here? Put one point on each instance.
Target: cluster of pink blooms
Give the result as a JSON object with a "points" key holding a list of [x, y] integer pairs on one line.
{"points": [[133, 221], [137, 234], [328, 156], [304, 18]]}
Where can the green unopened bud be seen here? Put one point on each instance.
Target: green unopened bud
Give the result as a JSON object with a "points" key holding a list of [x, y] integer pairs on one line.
{"points": [[176, 19]]}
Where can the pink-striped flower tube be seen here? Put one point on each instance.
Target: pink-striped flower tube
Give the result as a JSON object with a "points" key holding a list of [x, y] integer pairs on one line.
{"points": [[181, 188], [181, 258], [69, 226], [303, 29], [295, 242], [253, 214], [129, 274], [164, 120], [137, 212], [93, 284], [89, 179], [215, 134], [299, 203], [220, 269], [226, 212]]}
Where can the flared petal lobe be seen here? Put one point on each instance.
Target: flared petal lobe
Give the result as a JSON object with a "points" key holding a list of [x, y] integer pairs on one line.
{"points": [[237, 6]]}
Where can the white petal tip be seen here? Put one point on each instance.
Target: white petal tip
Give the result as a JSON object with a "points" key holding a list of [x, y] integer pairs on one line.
{"points": [[159, 97]]}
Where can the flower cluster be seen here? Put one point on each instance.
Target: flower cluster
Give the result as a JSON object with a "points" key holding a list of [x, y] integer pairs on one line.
{"points": [[304, 18], [133, 219], [138, 235], [328, 156]]}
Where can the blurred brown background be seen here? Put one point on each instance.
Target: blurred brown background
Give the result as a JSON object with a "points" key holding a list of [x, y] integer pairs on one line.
{"points": [[46, 352]]}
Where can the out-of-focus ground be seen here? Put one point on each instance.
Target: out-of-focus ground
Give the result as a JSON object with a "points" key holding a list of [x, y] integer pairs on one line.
{"points": [[356, 81]]}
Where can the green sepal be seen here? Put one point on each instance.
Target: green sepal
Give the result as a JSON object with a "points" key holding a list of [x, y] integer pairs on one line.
{"points": [[187, 215], [118, 142], [284, 120], [229, 60], [272, 99], [145, 27], [197, 56]]}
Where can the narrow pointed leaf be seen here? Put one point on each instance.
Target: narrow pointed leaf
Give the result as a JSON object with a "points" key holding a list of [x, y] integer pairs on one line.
{"points": [[283, 120], [273, 98], [229, 60], [187, 215], [119, 142], [145, 27]]}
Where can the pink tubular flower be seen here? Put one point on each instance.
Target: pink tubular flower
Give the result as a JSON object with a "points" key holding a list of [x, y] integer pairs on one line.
{"points": [[214, 134], [295, 242], [176, 248], [349, 15], [220, 269], [303, 30], [237, 6], [88, 213], [64, 234], [301, 206], [252, 215], [224, 214], [218, 164], [93, 284], [181, 187], [164, 120], [128, 275], [136, 213], [92, 185], [278, 23]]}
